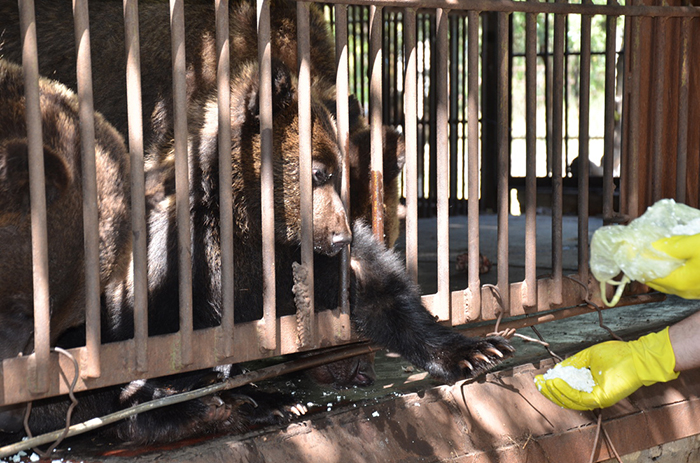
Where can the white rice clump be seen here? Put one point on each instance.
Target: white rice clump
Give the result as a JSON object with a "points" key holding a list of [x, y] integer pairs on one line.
{"points": [[580, 379]]}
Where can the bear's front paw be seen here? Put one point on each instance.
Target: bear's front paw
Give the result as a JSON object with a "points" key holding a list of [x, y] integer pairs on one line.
{"points": [[464, 357], [261, 408]]}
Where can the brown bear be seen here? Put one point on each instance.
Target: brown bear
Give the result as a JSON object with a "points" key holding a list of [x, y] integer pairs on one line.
{"points": [[64, 200]]}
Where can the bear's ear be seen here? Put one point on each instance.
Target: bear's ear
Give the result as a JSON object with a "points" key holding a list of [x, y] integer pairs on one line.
{"points": [[356, 114], [282, 90], [14, 176], [394, 153]]}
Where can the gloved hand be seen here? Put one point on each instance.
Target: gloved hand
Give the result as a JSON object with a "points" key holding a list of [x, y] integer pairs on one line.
{"points": [[618, 368], [685, 280]]}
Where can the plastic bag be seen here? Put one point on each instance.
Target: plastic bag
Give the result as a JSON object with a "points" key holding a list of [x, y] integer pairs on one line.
{"points": [[628, 249]]}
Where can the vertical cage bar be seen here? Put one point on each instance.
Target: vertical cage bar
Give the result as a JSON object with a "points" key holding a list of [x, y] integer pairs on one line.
{"points": [[557, 182], [443, 167], [342, 109], [682, 155], [39, 363], [182, 200], [391, 42], [583, 146], [658, 116], [269, 333], [529, 293], [609, 135], [91, 233], [138, 189], [548, 84], [225, 175], [305, 313], [431, 67], [375, 117], [453, 111], [474, 279], [503, 124], [411, 127], [420, 98], [358, 58], [631, 170], [625, 81], [463, 142]]}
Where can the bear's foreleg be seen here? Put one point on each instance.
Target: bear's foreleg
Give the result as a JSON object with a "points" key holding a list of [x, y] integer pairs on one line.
{"points": [[387, 309]]}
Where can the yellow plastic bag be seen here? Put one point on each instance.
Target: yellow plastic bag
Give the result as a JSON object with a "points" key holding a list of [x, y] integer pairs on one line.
{"points": [[628, 249]]}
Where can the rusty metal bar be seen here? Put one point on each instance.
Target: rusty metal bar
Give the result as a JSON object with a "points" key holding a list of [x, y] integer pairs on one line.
{"points": [[631, 203], [583, 146], [411, 127], [443, 168], [182, 197], [683, 121], [269, 334], [474, 280], [658, 115], [557, 182], [342, 88], [503, 124], [138, 189], [375, 118], [556, 314], [39, 363], [508, 6], [530, 284], [305, 312], [264, 373], [609, 135], [91, 232], [113, 354], [225, 175]]}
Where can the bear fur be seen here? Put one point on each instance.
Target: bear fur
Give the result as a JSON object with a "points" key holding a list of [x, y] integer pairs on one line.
{"points": [[57, 54], [64, 201], [64, 198], [386, 305]]}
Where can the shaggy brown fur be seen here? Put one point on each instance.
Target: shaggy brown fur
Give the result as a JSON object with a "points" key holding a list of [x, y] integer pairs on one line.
{"points": [[62, 163], [57, 59], [64, 197], [386, 305]]}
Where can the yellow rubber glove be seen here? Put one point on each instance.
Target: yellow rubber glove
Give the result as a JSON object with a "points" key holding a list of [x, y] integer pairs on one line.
{"points": [[618, 368], [685, 280]]}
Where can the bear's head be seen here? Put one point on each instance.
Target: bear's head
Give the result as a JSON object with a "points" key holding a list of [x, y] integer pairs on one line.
{"points": [[331, 229], [359, 160]]}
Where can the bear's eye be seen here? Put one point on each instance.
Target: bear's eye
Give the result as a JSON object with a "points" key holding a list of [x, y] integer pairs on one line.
{"points": [[321, 176]]}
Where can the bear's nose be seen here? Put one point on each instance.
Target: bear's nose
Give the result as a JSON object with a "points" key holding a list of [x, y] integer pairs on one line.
{"points": [[341, 239]]}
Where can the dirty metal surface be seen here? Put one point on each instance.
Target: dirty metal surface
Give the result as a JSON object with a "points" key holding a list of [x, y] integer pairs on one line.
{"points": [[500, 417]]}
